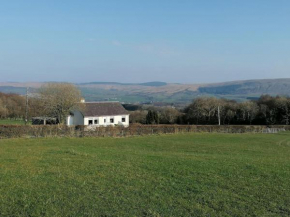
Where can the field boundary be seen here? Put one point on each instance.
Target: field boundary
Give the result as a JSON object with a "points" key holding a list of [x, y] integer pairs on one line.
{"points": [[19, 131]]}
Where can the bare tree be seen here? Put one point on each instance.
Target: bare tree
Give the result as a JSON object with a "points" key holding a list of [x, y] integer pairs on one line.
{"points": [[3, 109], [58, 99], [169, 115], [283, 106], [248, 111], [138, 116], [203, 110], [195, 111], [228, 111], [12, 106]]}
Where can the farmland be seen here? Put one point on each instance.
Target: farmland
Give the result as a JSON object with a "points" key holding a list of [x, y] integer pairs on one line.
{"points": [[168, 175]]}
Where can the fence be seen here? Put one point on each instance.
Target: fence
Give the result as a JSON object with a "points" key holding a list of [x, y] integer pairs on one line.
{"points": [[13, 131]]}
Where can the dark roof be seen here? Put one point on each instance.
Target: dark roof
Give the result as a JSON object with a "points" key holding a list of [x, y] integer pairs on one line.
{"points": [[103, 109]]}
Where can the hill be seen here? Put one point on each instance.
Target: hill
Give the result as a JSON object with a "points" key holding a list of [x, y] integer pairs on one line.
{"points": [[166, 92], [270, 86]]}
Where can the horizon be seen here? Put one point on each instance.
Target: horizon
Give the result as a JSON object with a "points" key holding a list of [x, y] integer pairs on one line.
{"points": [[128, 83], [138, 42]]}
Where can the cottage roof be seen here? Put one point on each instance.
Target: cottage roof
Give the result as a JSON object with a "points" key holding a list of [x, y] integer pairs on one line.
{"points": [[103, 109]]}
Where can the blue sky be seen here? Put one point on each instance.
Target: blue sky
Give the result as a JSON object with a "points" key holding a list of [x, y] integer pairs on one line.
{"points": [[185, 41]]}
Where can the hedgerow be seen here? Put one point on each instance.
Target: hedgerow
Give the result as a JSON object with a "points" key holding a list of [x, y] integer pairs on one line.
{"points": [[18, 131]]}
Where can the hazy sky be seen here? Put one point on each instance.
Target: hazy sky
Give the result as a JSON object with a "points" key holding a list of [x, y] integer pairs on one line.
{"points": [[187, 41]]}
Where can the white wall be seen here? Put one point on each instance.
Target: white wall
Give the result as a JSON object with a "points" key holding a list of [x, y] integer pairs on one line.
{"points": [[69, 120], [101, 120]]}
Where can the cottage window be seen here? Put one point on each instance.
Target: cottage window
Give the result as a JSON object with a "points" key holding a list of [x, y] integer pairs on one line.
{"points": [[90, 122], [123, 120], [96, 121], [112, 120], [105, 120]]}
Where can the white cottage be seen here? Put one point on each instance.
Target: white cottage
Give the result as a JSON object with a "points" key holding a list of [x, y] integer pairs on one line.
{"points": [[99, 114]]}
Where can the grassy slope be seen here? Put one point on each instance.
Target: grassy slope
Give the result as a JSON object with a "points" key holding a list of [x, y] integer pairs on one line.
{"points": [[172, 175]]}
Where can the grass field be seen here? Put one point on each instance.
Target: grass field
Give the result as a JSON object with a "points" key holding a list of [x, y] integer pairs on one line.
{"points": [[11, 122], [169, 175]]}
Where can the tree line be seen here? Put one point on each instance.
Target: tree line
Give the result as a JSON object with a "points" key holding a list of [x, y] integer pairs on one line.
{"points": [[267, 110]]}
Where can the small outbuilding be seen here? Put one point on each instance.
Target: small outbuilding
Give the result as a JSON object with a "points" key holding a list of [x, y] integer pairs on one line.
{"points": [[44, 121]]}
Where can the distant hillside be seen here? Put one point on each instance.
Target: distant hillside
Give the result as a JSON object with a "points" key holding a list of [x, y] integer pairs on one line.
{"points": [[154, 84], [104, 83], [168, 93], [11, 89], [271, 86], [151, 84]]}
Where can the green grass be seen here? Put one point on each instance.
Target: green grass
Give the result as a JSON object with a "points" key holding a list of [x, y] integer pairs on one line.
{"points": [[11, 122], [170, 175]]}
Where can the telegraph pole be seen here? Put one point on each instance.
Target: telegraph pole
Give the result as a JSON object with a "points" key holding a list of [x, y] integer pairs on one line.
{"points": [[219, 116], [26, 107]]}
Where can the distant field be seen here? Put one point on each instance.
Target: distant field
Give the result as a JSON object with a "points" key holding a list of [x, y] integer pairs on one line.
{"points": [[11, 122], [170, 175]]}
